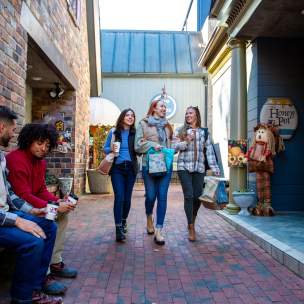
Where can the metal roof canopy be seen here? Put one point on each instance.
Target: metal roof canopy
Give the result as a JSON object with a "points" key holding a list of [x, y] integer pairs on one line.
{"points": [[151, 52]]}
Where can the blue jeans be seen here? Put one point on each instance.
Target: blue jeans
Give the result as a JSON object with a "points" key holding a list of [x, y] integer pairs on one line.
{"points": [[156, 187], [33, 256], [123, 180]]}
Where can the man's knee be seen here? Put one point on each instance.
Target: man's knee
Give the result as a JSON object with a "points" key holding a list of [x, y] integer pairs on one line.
{"points": [[49, 226]]}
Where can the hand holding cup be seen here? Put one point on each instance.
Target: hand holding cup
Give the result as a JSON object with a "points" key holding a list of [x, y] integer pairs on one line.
{"points": [[190, 135], [116, 147], [51, 211]]}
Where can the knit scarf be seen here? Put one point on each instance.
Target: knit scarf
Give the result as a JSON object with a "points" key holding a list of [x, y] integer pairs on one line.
{"points": [[160, 124]]}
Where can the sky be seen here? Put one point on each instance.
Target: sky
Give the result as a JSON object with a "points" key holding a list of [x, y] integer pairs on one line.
{"points": [[147, 14]]}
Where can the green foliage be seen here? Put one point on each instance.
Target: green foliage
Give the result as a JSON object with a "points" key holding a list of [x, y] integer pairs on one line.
{"points": [[99, 135], [50, 179]]}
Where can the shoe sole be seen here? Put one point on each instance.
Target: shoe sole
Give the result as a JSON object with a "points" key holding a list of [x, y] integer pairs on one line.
{"points": [[160, 243], [63, 276], [55, 293], [150, 232]]}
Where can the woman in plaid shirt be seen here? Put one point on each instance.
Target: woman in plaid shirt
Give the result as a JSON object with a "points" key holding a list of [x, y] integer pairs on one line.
{"points": [[190, 163]]}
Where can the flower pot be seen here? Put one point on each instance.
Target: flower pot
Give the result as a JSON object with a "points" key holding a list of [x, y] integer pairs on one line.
{"points": [[99, 183], [65, 185], [244, 200]]}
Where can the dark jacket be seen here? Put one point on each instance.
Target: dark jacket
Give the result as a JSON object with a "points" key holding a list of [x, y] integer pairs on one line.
{"points": [[132, 152]]}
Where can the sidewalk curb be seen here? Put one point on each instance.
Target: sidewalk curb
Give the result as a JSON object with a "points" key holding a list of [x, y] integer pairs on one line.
{"points": [[284, 254]]}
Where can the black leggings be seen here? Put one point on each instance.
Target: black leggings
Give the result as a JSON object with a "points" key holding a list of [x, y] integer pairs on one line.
{"points": [[192, 184]]}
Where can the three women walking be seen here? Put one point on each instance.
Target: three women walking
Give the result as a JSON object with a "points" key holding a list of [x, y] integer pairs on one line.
{"points": [[154, 133]]}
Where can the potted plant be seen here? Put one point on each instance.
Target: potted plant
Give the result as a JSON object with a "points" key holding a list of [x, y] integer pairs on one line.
{"points": [[98, 183], [51, 182], [244, 198]]}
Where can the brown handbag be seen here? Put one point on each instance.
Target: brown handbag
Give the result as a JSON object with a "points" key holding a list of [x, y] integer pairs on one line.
{"points": [[106, 164]]}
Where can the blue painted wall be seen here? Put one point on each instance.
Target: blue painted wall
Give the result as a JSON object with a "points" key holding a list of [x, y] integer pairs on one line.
{"points": [[252, 106], [280, 69], [203, 9]]}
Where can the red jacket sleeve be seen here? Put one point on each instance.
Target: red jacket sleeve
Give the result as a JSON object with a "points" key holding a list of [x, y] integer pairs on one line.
{"points": [[21, 184]]}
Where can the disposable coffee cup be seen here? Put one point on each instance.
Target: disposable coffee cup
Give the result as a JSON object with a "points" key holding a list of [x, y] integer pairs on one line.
{"points": [[190, 132], [51, 211], [116, 146], [73, 199]]}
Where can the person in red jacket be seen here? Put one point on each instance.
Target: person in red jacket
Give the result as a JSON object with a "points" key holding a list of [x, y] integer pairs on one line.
{"points": [[27, 168]]}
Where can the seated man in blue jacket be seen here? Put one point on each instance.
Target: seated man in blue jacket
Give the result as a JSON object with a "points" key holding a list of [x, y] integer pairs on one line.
{"points": [[22, 230]]}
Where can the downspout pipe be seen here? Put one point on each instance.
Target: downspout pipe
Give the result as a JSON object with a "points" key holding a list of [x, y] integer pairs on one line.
{"points": [[205, 81]]}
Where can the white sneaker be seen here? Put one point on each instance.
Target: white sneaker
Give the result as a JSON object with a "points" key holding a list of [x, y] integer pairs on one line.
{"points": [[158, 238]]}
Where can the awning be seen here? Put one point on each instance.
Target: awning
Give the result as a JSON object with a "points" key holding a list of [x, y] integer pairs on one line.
{"points": [[103, 111]]}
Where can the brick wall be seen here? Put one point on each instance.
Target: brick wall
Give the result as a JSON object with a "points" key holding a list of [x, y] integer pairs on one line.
{"points": [[13, 48], [71, 40], [59, 164]]}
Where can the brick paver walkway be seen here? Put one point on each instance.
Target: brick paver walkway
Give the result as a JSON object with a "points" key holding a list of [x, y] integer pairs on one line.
{"points": [[223, 266]]}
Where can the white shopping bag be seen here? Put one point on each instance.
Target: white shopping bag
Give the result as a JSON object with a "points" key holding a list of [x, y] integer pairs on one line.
{"points": [[209, 192]]}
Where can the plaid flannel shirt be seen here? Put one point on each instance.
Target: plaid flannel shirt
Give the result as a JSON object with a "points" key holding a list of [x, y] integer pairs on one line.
{"points": [[185, 160], [13, 202]]}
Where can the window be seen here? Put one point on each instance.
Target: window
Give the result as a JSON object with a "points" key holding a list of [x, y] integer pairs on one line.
{"points": [[74, 7]]}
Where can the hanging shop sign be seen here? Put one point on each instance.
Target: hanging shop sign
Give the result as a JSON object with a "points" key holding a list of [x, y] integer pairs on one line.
{"points": [[64, 133], [170, 104], [282, 113]]}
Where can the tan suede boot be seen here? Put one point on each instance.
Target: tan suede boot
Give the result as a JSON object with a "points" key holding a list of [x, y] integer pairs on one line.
{"points": [[150, 226], [191, 237]]}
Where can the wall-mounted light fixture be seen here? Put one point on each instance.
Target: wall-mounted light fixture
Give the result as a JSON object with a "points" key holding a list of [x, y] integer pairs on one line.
{"points": [[56, 92]]}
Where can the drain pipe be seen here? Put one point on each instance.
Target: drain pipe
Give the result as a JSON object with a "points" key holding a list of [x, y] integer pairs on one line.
{"points": [[205, 81]]}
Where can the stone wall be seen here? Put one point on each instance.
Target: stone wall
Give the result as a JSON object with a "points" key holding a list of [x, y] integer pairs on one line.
{"points": [[70, 38]]}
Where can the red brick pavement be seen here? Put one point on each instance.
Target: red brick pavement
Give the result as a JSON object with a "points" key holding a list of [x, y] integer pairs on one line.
{"points": [[223, 266]]}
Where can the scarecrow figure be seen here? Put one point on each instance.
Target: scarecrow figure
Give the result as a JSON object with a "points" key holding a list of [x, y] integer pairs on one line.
{"points": [[266, 143]]}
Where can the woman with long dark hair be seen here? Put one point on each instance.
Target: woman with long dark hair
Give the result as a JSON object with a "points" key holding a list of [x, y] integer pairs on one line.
{"points": [[124, 170], [154, 131], [191, 163]]}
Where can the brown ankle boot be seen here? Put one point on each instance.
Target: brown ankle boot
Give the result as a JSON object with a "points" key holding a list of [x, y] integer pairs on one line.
{"points": [[191, 236], [150, 226]]}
